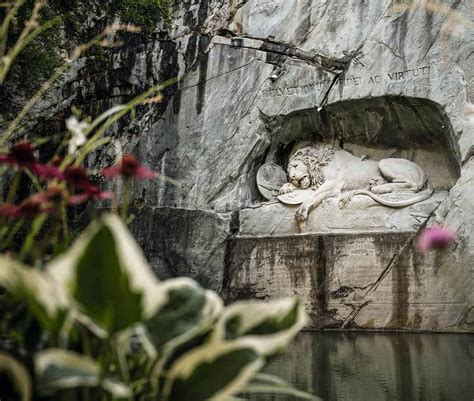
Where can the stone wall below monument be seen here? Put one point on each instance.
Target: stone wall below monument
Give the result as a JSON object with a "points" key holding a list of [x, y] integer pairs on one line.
{"points": [[364, 281]]}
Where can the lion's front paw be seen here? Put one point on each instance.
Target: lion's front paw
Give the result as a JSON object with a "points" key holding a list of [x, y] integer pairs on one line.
{"points": [[302, 212], [287, 188], [345, 199]]}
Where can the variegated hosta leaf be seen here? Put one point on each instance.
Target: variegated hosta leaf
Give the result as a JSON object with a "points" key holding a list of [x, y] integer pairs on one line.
{"points": [[187, 304], [268, 327], [183, 322], [58, 369], [212, 372], [108, 276], [17, 375], [45, 299]]}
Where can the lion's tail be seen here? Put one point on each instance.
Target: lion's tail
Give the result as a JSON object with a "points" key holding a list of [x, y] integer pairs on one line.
{"points": [[419, 197]]}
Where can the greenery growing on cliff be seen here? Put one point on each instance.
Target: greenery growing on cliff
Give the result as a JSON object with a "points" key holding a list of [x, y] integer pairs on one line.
{"points": [[71, 22], [144, 12]]}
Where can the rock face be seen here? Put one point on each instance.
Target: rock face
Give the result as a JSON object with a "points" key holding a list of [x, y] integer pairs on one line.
{"points": [[370, 281], [381, 79]]}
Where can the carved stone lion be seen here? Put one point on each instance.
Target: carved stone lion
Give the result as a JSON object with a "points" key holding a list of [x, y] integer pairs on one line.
{"points": [[335, 172]]}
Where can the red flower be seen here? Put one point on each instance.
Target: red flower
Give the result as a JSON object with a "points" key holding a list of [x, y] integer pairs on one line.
{"points": [[9, 210], [53, 196], [435, 238], [77, 176], [56, 161], [26, 209], [95, 193], [128, 167], [22, 155], [48, 172]]}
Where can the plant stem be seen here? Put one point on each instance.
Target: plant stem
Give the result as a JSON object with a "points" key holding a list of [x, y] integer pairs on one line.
{"points": [[13, 187], [64, 224], [10, 15], [11, 235], [36, 226], [86, 350], [115, 200], [122, 361], [34, 180], [126, 196]]}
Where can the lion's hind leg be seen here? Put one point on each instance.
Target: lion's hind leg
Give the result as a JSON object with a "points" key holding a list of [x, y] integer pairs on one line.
{"points": [[402, 176]]}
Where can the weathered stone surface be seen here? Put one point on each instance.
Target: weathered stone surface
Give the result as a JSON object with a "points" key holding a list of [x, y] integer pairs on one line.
{"points": [[261, 75], [180, 242], [370, 281]]}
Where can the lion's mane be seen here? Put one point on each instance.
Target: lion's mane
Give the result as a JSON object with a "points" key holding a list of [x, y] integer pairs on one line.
{"points": [[314, 157]]}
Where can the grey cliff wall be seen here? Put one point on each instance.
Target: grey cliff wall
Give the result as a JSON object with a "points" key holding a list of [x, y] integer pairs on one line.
{"points": [[261, 75]]}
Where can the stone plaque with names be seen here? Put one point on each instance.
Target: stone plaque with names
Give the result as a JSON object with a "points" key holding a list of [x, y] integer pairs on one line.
{"points": [[364, 281]]}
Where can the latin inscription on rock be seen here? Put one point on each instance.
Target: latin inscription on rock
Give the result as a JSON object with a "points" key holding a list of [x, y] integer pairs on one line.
{"points": [[311, 88]]}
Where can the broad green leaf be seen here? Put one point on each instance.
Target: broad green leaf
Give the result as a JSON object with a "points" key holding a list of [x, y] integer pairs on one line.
{"points": [[186, 305], [108, 277], [45, 299], [191, 325], [212, 372], [267, 326], [116, 388], [58, 369], [17, 376]]}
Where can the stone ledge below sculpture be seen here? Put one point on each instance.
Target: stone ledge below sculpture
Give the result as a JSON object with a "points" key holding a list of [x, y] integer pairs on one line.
{"points": [[274, 218]]}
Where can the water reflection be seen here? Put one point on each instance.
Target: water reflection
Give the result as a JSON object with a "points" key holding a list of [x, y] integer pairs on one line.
{"points": [[379, 367]]}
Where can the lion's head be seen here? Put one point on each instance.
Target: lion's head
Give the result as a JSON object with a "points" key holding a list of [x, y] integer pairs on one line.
{"points": [[304, 166]]}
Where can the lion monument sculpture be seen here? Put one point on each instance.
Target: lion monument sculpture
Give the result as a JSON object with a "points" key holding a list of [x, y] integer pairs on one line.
{"points": [[330, 172]]}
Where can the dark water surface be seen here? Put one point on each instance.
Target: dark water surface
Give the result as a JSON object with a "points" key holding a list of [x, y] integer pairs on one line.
{"points": [[379, 367]]}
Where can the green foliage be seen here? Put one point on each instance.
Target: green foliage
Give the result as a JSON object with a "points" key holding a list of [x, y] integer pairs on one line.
{"points": [[57, 368], [212, 371], [15, 381], [69, 28], [98, 296], [44, 299], [144, 12], [113, 303], [36, 63]]}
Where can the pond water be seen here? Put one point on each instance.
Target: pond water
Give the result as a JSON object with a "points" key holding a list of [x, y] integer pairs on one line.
{"points": [[379, 367]]}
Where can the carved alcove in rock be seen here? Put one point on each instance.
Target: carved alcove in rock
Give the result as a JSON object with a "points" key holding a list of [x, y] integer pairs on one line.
{"points": [[371, 129], [355, 267]]}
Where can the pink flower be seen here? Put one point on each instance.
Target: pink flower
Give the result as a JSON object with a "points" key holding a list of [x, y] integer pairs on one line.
{"points": [[128, 167], [77, 176], [55, 195], [22, 155], [95, 193], [435, 238], [27, 209]]}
